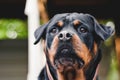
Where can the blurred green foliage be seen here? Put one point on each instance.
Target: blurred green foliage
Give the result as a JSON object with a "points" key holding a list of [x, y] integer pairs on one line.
{"points": [[13, 29], [114, 70], [113, 73]]}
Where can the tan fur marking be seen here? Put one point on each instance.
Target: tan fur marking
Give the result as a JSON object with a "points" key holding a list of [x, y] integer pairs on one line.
{"points": [[81, 49], [53, 49], [60, 23], [95, 48], [79, 75], [76, 22], [44, 45], [60, 76]]}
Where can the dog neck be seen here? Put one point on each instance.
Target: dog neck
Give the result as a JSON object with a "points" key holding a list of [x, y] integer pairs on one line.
{"points": [[79, 76]]}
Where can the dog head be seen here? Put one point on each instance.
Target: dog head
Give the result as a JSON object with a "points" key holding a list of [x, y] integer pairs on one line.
{"points": [[71, 43]]}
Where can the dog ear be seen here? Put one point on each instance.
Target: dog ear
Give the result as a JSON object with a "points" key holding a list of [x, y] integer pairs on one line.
{"points": [[40, 33], [104, 32]]}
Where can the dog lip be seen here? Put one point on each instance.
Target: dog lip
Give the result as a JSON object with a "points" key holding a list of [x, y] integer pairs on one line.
{"points": [[81, 63], [65, 50], [68, 61]]}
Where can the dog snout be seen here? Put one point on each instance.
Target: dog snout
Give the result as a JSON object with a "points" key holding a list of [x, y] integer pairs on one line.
{"points": [[65, 36]]}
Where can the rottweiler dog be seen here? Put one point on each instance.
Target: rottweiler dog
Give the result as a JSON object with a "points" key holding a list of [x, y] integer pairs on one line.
{"points": [[72, 46]]}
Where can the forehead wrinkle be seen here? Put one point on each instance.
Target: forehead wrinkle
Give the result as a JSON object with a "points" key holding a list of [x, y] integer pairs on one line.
{"points": [[69, 18]]}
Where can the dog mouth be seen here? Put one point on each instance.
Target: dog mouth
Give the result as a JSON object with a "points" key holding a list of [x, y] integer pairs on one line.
{"points": [[68, 66], [66, 60], [64, 63]]}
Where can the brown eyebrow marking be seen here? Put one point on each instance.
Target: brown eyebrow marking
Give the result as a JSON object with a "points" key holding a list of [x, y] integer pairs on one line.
{"points": [[60, 23], [76, 22]]}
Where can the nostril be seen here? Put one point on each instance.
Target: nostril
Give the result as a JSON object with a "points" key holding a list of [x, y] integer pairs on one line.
{"points": [[68, 35], [60, 36]]}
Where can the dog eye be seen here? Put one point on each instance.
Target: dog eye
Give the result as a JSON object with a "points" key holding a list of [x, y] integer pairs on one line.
{"points": [[54, 30], [83, 30]]}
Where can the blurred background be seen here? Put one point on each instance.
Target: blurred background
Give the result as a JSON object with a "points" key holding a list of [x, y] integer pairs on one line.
{"points": [[14, 33]]}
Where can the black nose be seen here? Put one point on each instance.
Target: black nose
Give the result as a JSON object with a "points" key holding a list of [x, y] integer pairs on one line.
{"points": [[64, 36]]}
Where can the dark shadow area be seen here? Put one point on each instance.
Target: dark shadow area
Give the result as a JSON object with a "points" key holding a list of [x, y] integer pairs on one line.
{"points": [[12, 9]]}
